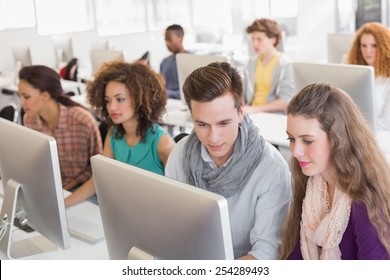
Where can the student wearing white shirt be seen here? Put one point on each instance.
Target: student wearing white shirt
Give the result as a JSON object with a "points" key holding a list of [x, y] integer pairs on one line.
{"points": [[371, 46], [225, 154]]}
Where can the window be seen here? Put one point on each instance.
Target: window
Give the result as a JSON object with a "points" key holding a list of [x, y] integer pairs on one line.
{"points": [[114, 17], [17, 14], [162, 13], [59, 17], [211, 18]]}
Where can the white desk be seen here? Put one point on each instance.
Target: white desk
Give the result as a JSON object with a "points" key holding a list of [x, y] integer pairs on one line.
{"points": [[77, 87], [272, 127], [8, 82], [177, 114], [79, 250], [81, 99]]}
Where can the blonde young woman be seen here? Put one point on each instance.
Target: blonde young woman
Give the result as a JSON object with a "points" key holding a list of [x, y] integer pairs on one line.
{"points": [[371, 46], [341, 182]]}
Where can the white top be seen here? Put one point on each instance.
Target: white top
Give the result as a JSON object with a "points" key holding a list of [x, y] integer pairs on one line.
{"points": [[258, 210], [382, 103]]}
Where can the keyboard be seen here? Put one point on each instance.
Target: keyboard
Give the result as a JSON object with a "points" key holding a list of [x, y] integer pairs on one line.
{"points": [[85, 230]]}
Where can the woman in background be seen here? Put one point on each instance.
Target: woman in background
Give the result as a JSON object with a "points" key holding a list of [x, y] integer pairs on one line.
{"points": [[371, 46], [48, 110], [341, 181], [131, 98], [269, 82]]}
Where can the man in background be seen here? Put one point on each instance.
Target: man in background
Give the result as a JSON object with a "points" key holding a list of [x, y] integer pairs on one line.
{"points": [[174, 40]]}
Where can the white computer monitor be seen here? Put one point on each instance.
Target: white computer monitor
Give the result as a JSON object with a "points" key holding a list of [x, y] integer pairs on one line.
{"points": [[31, 179], [186, 63], [98, 57], [149, 216], [43, 52], [357, 80], [338, 45]]}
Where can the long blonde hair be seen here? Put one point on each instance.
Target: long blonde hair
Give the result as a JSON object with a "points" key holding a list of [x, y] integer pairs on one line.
{"points": [[382, 37], [362, 170]]}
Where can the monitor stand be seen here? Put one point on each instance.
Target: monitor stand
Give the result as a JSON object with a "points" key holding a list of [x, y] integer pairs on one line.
{"points": [[23, 248], [138, 254]]}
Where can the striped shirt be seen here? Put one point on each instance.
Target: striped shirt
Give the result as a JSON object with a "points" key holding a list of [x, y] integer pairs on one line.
{"points": [[78, 138]]}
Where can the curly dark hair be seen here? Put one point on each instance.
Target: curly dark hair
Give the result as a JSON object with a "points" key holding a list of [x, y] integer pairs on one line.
{"points": [[147, 92]]}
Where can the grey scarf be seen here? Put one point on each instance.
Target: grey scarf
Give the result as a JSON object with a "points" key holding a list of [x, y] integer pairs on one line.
{"points": [[232, 177]]}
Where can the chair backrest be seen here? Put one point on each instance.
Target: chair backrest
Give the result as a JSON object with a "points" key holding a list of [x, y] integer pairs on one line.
{"points": [[9, 112]]}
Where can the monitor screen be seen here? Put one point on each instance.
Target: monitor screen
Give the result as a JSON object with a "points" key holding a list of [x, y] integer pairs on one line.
{"points": [[43, 52], [356, 80], [338, 45], [98, 57], [149, 216], [31, 179], [186, 63]]}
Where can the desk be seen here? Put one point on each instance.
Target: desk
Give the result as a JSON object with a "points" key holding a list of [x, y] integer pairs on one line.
{"points": [[81, 99], [177, 114], [78, 88], [79, 250], [272, 127]]}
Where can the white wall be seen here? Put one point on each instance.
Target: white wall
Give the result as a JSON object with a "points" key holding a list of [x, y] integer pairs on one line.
{"points": [[315, 19]]}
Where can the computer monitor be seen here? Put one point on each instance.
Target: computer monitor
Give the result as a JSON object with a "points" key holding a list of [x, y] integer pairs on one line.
{"points": [[98, 57], [186, 63], [357, 80], [338, 45], [149, 216], [43, 52], [31, 179]]}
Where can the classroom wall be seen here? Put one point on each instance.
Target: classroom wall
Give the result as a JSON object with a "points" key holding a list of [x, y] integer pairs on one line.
{"points": [[315, 19]]}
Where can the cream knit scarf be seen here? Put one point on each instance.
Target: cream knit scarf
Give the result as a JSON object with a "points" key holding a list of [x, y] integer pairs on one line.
{"points": [[322, 228]]}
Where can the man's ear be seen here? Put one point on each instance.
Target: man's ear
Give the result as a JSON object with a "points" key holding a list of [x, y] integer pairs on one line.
{"points": [[241, 111]]}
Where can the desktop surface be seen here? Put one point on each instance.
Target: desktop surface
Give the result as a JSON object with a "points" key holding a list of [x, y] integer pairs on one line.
{"points": [[79, 250]]}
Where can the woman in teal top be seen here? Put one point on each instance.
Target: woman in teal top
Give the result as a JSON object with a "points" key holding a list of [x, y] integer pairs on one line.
{"points": [[131, 98], [143, 154]]}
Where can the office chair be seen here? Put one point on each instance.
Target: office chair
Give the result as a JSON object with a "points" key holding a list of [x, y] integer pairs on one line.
{"points": [[9, 112], [180, 136]]}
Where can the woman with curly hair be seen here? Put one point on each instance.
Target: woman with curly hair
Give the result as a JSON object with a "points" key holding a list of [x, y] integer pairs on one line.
{"points": [[131, 98], [371, 46], [340, 207]]}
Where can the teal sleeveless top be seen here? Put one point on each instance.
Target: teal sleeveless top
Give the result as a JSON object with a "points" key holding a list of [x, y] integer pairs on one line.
{"points": [[144, 154]]}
